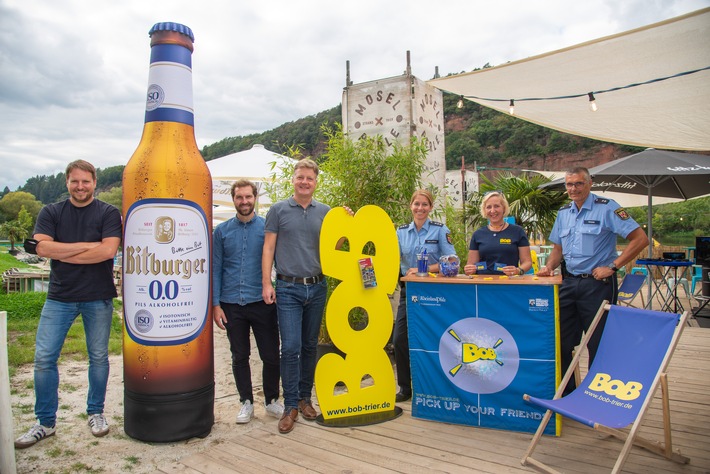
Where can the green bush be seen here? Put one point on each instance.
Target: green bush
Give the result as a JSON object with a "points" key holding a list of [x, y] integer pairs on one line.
{"points": [[8, 261], [22, 306]]}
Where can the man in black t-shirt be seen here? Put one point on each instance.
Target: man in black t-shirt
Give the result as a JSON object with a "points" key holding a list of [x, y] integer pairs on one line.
{"points": [[81, 236]]}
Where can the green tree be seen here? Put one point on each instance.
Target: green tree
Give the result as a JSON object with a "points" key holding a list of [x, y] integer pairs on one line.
{"points": [[690, 217], [113, 196], [12, 203], [358, 173], [18, 229], [110, 177], [534, 209], [367, 171]]}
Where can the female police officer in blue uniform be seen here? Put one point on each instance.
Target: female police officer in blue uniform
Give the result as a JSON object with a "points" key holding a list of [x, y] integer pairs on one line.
{"points": [[420, 234]]}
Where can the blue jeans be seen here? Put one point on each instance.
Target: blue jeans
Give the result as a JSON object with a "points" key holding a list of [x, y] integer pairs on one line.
{"points": [[300, 312], [55, 321]]}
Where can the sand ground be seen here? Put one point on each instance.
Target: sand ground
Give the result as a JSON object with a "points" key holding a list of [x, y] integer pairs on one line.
{"points": [[74, 450]]}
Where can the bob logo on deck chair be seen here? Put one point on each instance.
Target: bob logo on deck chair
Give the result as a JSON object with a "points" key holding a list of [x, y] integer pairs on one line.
{"points": [[623, 391]]}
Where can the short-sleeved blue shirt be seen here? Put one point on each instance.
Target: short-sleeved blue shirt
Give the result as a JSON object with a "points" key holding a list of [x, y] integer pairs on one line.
{"points": [[499, 247], [236, 261], [435, 237], [297, 251], [588, 235]]}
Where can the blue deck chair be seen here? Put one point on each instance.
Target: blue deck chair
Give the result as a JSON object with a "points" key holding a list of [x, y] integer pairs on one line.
{"points": [[630, 287], [634, 352]]}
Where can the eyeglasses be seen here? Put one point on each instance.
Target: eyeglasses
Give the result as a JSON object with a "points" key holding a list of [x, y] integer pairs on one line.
{"points": [[578, 184]]}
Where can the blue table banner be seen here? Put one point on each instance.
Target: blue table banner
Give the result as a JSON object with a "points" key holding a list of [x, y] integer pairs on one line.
{"points": [[477, 348]]}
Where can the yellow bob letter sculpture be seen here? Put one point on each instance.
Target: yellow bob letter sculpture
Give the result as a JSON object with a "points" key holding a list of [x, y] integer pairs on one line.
{"points": [[364, 349]]}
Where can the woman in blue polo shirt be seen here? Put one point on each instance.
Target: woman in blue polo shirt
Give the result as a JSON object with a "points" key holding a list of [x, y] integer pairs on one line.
{"points": [[499, 248], [420, 234]]}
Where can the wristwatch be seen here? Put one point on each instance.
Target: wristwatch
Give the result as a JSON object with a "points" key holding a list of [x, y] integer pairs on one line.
{"points": [[613, 268]]}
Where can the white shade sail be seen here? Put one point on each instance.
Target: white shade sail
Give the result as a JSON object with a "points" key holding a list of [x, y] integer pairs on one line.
{"points": [[651, 86]]}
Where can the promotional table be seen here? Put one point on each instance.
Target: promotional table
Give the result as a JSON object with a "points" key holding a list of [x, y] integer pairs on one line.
{"points": [[478, 344]]}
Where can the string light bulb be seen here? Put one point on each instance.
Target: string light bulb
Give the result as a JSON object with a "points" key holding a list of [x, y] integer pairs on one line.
{"points": [[512, 107], [592, 102], [459, 104]]}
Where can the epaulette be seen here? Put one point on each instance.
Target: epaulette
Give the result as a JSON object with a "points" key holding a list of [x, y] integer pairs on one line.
{"points": [[438, 224], [566, 206], [601, 201], [403, 226]]}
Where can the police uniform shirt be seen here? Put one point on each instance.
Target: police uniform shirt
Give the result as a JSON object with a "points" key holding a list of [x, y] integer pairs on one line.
{"points": [[435, 237], [588, 235]]}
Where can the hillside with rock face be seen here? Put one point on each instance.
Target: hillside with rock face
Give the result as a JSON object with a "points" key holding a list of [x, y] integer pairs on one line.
{"points": [[604, 153]]}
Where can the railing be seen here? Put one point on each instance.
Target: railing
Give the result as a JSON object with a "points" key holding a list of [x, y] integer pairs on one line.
{"points": [[16, 280]]}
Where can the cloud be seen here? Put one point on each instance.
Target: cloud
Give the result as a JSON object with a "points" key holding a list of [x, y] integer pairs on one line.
{"points": [[74, 74]]}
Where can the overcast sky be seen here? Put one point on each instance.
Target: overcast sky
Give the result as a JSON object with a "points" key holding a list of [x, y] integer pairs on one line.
{"points": [[73, 73]]}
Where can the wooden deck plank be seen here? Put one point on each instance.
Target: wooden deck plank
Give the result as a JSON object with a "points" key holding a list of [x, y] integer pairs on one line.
{"points": [[302, 451], [408, 444], [248, 459], [378, 450]]}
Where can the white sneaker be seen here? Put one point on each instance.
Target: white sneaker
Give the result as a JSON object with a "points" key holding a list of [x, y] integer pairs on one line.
{"points": [[275, 409], [98, 425], [36, 433], [246, 413]]}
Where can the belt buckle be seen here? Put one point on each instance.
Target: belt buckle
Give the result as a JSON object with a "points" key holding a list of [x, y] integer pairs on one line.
{"points": [[309, 280]]}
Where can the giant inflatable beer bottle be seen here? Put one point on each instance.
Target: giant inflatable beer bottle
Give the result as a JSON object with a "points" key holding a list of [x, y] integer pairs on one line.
{"points": [[168, 362]]}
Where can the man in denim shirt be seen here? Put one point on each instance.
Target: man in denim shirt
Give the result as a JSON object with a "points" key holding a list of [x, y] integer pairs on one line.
{"points": [[237, 303]]}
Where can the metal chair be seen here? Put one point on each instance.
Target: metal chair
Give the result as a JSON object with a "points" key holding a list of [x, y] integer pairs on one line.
{"points": [[643, 270], [697, 276]]}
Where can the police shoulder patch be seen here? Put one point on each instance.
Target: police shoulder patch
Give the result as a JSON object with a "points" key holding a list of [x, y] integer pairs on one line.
{"points": [[403, 226], [623, 215], [566, 206], [448, 239], [438, 224], [601, 201]]}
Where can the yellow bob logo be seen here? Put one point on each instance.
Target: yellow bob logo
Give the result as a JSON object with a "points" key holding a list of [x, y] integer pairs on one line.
{"points": [[623, 391]]}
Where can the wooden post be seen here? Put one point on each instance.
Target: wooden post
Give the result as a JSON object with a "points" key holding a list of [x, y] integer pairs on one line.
{"points": [[7, 448]]}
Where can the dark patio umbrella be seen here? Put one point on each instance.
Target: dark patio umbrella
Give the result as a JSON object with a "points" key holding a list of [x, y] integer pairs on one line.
{"points": [[652, 173]]}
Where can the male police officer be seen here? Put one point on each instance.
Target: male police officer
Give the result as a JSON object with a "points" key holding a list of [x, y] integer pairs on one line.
{"points": [[585, 235]]}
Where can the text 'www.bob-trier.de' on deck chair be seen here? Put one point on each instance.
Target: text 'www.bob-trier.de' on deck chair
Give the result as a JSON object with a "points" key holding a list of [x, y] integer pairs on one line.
{"points": [[632, 358]]}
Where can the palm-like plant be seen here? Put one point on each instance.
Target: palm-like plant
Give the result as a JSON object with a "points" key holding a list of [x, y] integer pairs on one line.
{"points": [[534, 208], [18, 229], [15, 232]]}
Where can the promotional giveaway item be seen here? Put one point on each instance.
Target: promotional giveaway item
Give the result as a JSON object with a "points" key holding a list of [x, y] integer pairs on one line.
{"points": [[449, 265], [168, 363]]}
